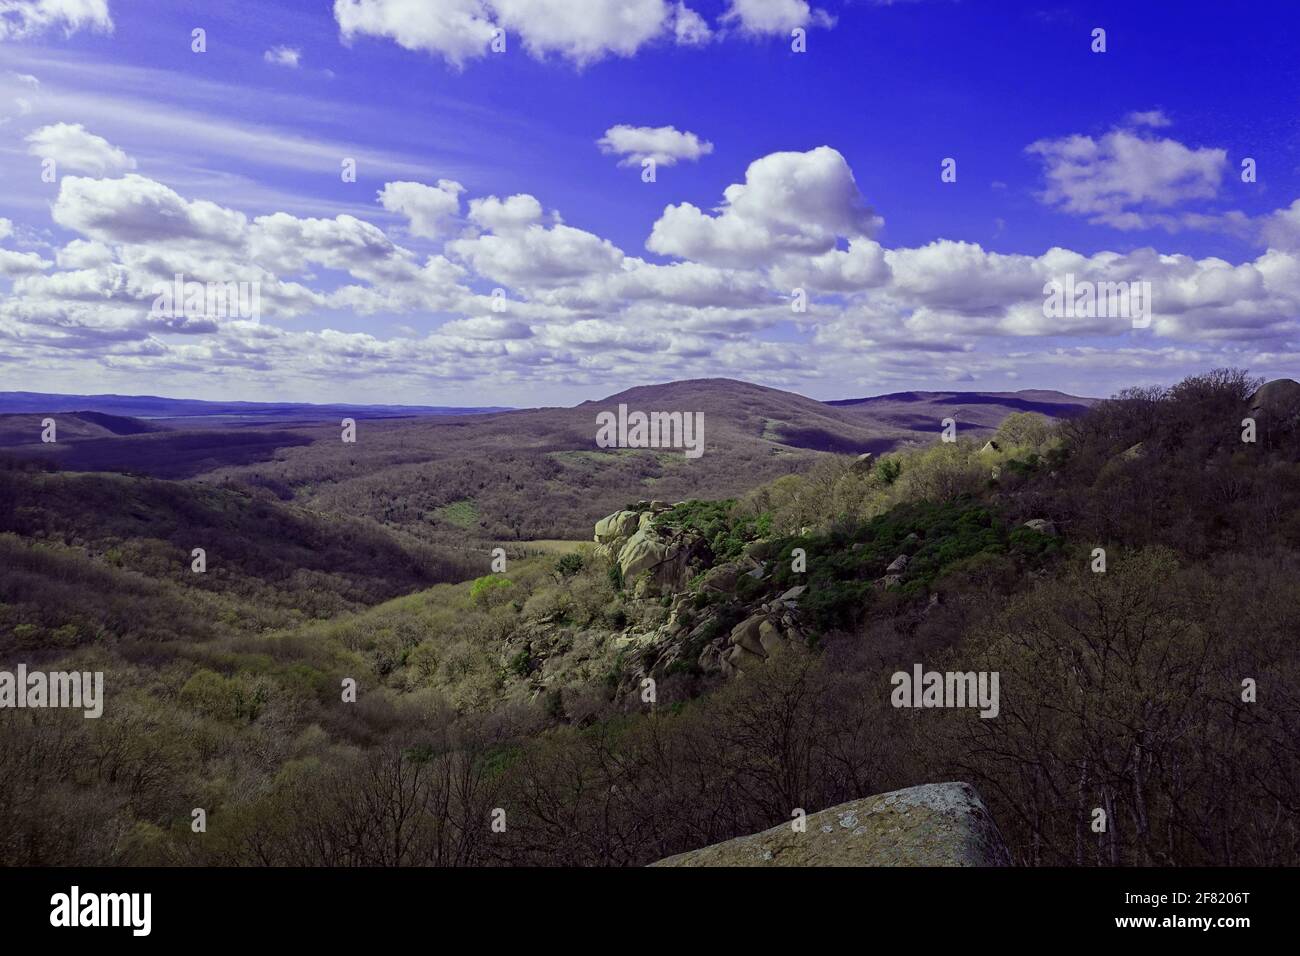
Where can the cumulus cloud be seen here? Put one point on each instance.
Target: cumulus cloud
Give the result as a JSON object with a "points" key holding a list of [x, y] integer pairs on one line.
{"points": [[461, 30], [505, 215], [663, 144], [84, 254], [21, 19], [584, 32], [761, 17], [75, 149], [455, 29], [487, 328], [579, 309], [1281, 229], [13, 264], [283, 56], [282, 242], [789, 202], [1118, 179], [430, 210], [537, 255], [863, 265], [137, 209], [689, 28]]}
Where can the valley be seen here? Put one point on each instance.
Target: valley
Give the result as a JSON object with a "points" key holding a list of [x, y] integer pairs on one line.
{"points": [[670, 653]]}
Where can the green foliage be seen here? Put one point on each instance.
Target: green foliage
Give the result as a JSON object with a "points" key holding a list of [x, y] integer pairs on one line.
{"points": [[888, 470], [1120, 689], [223, 698], [462, 514], [1024, 430], [1024, 468], [569, 564], [720, 523], [521, 664], [487, 589]]}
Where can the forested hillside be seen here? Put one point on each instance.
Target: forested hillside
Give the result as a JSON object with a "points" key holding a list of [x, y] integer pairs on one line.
{"points": [[1131, 573]]}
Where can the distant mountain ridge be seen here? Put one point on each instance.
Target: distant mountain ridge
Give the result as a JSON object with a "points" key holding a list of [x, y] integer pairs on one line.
{"points": [[1046, 401], [500, 475], [153, 406], [979, 411]]}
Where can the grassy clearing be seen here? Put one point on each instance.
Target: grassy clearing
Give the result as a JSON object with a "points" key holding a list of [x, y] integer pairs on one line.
{"points": [[463, 513]]}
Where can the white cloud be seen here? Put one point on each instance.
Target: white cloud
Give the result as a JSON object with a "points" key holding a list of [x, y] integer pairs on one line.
{"points": [[429, 209], [486, 327], [505, 215], [581, 311], [538, 256], [84, 254], [775, 16], [75, 149], [21, 19], [1281, 229], [664, 144], [1119, 178], [283, 56], [455, 29], [6, 228], [287, 243], [14, 264], [1156, 119], [584, 32], [789, 202], [862, 266], [689, 28], [461, 30], [17, 95], [136, 209]]}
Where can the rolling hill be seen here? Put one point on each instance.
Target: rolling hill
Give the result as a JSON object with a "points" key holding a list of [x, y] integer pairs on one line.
{"points": [[974, 411], [504, 476]]}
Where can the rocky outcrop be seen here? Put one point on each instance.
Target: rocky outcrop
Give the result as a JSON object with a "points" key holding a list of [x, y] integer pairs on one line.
{"points": [[667, 566], [616, 528], [763, 634], [1042, 526], [1281, 394], [650, 560], [1276, 404], [642, 552], [937, 824]]}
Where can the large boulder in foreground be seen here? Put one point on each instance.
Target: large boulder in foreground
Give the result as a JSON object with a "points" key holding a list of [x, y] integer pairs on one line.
{"points": [[936, 824]]}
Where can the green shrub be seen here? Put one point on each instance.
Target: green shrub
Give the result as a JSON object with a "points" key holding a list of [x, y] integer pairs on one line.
{"points": [[482, 591], [569, 565]]}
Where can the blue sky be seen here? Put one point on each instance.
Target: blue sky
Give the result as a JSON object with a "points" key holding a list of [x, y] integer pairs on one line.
{"points": [[775, 170]]}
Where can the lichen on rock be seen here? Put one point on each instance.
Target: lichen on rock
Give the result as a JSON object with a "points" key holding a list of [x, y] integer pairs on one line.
{"points": [[937, 824]]}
